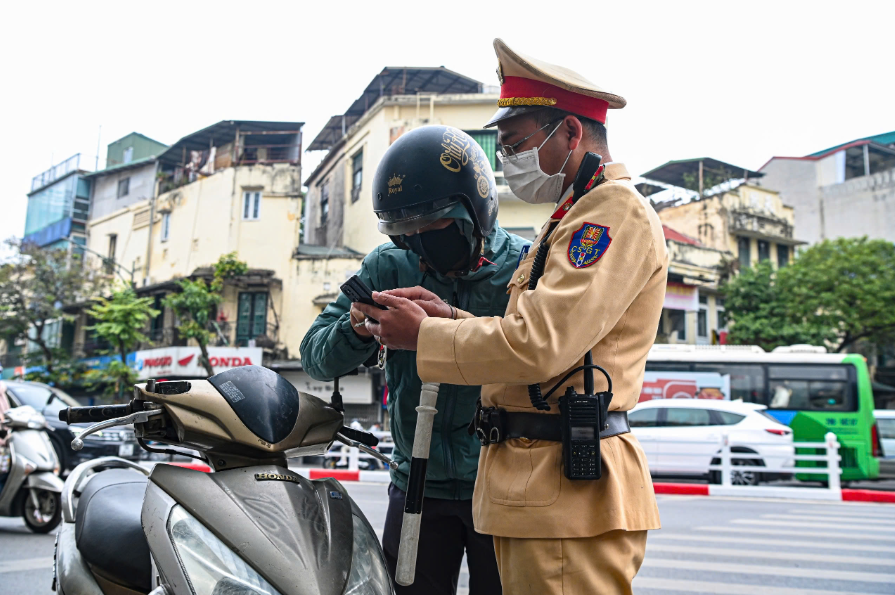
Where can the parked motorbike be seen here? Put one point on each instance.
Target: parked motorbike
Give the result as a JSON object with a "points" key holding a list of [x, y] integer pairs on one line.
{"points": [[252, 527], [32, 488]]}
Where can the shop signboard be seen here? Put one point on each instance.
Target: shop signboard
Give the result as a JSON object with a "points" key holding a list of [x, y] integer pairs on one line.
{"points": [[184, 361]]}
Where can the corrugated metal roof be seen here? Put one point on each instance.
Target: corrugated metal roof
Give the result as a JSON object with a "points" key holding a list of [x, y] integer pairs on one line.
{"points": [[394, 80], [886, 138], [673, 172], [220, 134], [122, 167]]}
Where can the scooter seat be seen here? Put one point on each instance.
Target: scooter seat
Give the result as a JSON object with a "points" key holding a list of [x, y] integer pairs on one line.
{"points": [[108, 531]]}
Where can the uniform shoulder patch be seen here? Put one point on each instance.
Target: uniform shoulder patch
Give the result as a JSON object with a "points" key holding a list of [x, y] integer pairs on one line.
{"points": [[588, 245]]}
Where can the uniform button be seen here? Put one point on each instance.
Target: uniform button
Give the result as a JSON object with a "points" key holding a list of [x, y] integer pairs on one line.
{"points": [[521, 278]]}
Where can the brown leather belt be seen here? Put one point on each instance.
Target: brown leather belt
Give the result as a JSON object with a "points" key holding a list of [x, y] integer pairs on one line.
{"points": [[493, 425]]}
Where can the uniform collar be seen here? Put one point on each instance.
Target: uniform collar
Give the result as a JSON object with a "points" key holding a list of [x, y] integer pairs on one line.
{"points": [[613, 170]]}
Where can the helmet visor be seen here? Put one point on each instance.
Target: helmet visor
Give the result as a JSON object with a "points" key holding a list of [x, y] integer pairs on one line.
{"points": [[410, 219]]}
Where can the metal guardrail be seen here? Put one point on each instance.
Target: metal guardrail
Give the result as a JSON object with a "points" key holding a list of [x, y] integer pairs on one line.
{"points": [[833, 469]]}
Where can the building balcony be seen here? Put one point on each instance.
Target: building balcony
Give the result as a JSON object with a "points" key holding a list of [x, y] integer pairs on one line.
{"points": [[747, 223]]}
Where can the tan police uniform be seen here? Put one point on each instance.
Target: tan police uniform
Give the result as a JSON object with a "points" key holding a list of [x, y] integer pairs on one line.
{"points": [[554, 535]]}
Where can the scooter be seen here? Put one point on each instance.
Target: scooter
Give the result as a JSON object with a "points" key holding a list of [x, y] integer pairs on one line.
{"points": [[32, 488], [251, 527]]}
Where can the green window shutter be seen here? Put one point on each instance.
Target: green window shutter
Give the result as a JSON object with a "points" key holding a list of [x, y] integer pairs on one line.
{"points": [[488, 141], [259, 316], [243, 317]]}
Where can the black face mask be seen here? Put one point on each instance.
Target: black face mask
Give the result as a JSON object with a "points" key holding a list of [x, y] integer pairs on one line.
{"points": [[445, 250]]}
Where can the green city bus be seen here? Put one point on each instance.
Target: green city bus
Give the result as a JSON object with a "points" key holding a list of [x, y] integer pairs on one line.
{"points": [[803, 387]]}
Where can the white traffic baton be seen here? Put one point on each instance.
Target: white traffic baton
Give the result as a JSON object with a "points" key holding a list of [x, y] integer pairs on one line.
{"points": [[416, 486]]}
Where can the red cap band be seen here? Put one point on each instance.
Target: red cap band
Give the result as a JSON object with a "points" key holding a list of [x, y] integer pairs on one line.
{"points": [[530, 92]]}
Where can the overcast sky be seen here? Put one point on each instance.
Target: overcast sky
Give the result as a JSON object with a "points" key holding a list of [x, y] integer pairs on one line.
{"points": [[738, 81]]}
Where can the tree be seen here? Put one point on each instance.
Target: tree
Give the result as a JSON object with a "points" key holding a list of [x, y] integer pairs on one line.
{"points": [[760, 312], [847, 285], [37, 286], [193, 305], [120, 321], [835, 293]]}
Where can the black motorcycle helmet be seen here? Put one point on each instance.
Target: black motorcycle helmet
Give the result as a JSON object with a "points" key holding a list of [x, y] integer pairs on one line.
{"points": [[425, 174]]}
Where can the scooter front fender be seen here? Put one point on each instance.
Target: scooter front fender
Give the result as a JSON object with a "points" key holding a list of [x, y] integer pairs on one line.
{"points": [[44, 480]]}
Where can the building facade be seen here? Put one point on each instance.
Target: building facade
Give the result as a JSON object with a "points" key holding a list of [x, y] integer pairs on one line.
{"points": [[845, 191], [129, 176], [725, 222], [217, 193], [58, 206], [339, 209]]}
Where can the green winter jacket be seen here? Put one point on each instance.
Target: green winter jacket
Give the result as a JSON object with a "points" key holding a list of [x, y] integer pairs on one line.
{"points": [[331, 348]]}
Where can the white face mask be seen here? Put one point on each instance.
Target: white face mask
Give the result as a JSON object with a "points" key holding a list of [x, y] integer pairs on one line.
{"points": [[527, 180]]}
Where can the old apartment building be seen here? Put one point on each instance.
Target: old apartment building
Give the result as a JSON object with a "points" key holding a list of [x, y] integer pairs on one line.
{"points": [[230, 187], [339, 210], [732, 223]]}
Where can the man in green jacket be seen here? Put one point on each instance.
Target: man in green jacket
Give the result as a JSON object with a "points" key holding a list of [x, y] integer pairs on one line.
{"points": [[435, 196]]}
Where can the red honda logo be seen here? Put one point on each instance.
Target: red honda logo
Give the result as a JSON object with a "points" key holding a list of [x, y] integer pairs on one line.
{"points": [[185, 361]]}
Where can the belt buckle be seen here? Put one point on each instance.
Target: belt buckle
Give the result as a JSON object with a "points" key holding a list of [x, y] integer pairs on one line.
{"points": [[486, 429]]}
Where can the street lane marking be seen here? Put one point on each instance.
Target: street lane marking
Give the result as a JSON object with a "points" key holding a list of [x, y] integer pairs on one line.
{"points": [[823, 526], [839, 519], [862, 512], [685, 586], [772, 542], [27, 564], [773, 555], [794, 533], [760, 569]]}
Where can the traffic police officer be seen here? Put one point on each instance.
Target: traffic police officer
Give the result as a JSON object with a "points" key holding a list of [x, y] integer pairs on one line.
{"points": [[601, 292]]}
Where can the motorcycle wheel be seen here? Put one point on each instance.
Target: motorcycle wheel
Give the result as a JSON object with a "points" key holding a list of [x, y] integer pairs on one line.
{"points": [[46, 517]]}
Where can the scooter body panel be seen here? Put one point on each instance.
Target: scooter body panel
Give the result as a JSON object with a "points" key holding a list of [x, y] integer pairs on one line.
{"points": [[72, 575], [295, 533], [44, 480], [27, 448]]}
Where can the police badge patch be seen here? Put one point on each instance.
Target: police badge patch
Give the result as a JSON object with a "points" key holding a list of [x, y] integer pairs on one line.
{"points": [[588, 245]]}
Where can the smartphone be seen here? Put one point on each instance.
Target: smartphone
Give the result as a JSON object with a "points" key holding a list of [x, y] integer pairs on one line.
{"points": [[357, 291]]}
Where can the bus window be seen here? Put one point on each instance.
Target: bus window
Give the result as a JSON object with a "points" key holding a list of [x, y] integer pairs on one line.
{"points": [[746, 380], [667, 366], [811, 388]]}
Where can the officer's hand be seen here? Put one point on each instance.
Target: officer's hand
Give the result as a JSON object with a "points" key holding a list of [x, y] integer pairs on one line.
{"points": [[357, 319], [399, 326], [425, 299]]}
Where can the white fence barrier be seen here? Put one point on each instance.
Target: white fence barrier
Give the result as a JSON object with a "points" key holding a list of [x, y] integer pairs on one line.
{"points": [[727, 468], [350, 458]]}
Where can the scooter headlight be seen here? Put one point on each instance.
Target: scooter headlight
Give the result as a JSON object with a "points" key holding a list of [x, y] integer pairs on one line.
{"points": [[368, 575], [210, 566]]}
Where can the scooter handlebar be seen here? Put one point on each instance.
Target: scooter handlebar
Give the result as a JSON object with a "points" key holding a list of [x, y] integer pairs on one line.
{"points": [[79, 415]]}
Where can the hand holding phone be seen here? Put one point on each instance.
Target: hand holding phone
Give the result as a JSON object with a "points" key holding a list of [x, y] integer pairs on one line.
{"points": [[357, 291]]}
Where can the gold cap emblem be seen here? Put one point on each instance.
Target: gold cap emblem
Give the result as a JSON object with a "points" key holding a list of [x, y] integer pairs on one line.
{"points": [[395, 180]]}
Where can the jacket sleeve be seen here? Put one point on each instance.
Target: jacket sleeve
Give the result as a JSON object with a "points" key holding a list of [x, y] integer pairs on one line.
{"points": [[568, 313], [331, 348]]}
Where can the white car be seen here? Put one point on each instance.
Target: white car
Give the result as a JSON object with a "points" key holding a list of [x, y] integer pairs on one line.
{"points": [[682, 437], [885, 427]]}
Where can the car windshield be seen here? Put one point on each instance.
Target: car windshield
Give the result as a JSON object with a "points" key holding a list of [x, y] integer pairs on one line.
{"points": [[37, 396]]}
